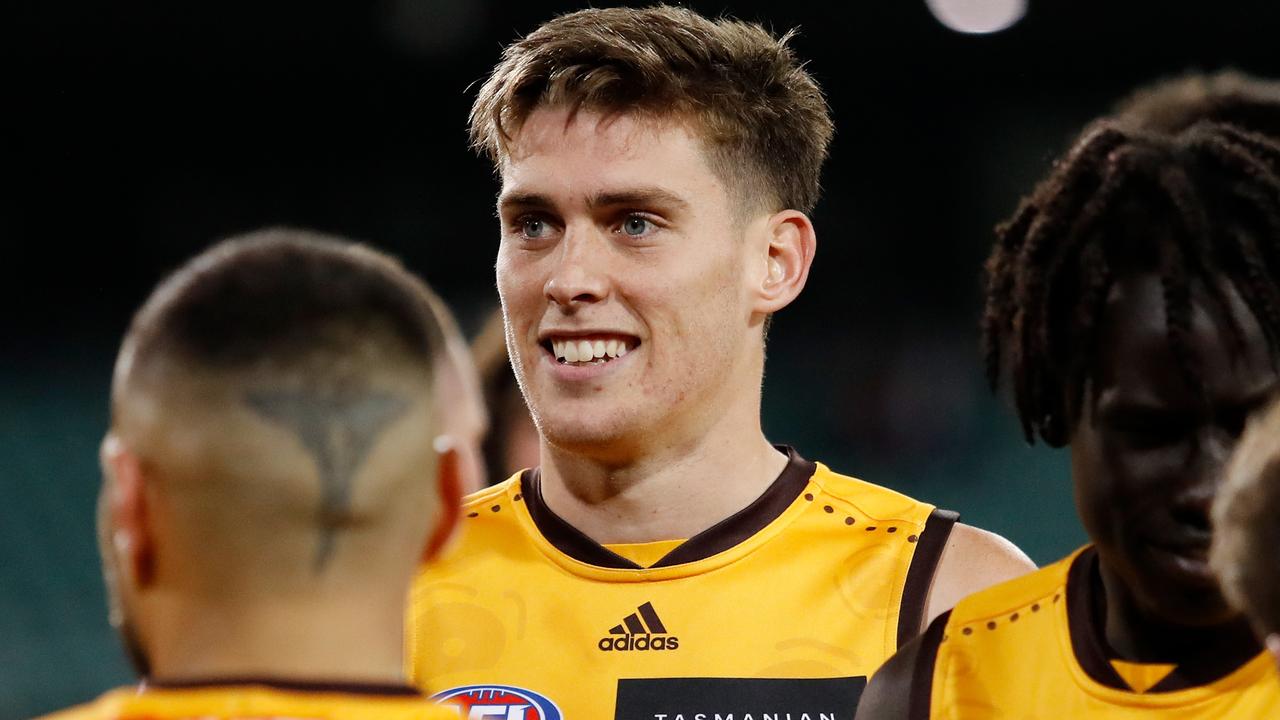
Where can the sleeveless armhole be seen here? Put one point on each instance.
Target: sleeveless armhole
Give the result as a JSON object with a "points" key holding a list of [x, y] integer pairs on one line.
{"points": [[921, 702], [915, 590]]}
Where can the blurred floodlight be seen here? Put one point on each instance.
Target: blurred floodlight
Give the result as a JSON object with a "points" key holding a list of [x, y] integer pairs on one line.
{"points": [[977, 16]]}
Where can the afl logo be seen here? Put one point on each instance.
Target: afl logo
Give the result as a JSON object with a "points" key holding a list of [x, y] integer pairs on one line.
{"points": [[498, 702]]}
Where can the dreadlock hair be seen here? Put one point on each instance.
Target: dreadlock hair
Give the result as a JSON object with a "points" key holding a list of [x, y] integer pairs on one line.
{"points": [[1201, 204]]}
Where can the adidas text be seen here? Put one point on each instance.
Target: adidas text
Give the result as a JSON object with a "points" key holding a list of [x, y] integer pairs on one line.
{"points": [[639, 642]]}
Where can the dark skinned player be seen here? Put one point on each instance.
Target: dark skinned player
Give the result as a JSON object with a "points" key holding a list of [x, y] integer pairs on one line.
{"points": [[1132, 305]]}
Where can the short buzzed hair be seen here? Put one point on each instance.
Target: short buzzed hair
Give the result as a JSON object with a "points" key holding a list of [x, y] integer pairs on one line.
{"points": [[1246, 524], [281, 293], [331, 342], [1174, 104], [762, 117]]}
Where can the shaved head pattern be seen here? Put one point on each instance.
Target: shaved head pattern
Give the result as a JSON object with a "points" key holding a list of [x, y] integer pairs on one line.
{"points": [[337, 429]]}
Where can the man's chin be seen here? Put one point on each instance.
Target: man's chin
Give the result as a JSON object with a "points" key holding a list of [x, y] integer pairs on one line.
{"points": [[1190, 606], [602, 439]]}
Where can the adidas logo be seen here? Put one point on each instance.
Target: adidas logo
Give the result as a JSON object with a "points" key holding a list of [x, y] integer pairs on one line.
{"points": [[641, 630]]}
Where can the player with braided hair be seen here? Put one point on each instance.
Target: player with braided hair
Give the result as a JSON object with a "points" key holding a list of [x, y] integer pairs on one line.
{"points": [[1132, 303]]}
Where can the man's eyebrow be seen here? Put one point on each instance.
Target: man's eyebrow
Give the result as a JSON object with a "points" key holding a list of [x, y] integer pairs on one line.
{"points": [[524, 200], [639, 196], [1110, 401]]}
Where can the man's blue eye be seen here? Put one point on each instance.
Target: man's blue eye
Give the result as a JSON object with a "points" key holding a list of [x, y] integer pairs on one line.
{"points": [[534, 228], [635, 225]]}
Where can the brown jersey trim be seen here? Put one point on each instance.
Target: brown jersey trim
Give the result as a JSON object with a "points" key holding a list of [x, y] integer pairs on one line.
{"points": [[1085, 609], [307, 686], [924, 563], [921, 702], [1208, 668], [1084, 621], [566, 538], [715, 539], [749, 520]]}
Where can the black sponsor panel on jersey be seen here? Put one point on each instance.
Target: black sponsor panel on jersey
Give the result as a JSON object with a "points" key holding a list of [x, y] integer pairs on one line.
{"points": [[739, 698]]}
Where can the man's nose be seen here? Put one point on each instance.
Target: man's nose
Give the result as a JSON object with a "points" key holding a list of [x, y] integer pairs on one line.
{"points": [[580, 274], [1216, 445], [1214, 450]]}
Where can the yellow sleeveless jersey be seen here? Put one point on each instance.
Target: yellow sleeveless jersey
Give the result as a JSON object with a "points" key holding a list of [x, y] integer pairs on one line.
{"points": [[785, 607], [1029, 648], [259, 701]]}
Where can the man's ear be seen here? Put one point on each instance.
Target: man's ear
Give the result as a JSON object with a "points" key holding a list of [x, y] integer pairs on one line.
{"points": [[449, 483], [792, 244], [127, 510], [1273, 644]]}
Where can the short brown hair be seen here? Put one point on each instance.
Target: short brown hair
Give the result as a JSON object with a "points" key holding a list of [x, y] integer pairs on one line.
{"points": [[1246, 524], [1229, 96], [330, 342], [762, 116]]}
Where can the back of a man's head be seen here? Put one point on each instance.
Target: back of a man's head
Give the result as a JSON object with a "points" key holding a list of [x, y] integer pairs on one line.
{"points": [[1246, 527], [273, 415], [1174, 104], [740, 89]]}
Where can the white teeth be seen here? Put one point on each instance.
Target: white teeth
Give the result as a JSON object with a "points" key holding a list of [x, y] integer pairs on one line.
{"points": [[585, 351]]}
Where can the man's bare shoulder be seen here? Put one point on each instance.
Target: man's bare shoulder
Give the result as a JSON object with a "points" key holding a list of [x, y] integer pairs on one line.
{"points": [[973, 560]]}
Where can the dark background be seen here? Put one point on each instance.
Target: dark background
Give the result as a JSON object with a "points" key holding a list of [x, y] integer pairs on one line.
{"points": [[134, 135]]}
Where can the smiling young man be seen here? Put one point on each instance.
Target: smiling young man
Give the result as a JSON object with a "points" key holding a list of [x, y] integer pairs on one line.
{"points": [[267, 493], [665, 559], [1133, 300]]}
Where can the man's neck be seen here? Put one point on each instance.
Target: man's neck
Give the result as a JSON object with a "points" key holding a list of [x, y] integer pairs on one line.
{"points": [[1136, 635], [669, 494], [352, 641]]}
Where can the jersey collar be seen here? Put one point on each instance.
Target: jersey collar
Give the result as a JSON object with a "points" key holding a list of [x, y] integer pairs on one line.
{"points": [[1094, 655], [715, 539]]}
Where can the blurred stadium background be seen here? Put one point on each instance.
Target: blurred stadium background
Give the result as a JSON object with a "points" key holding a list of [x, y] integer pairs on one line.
{"points": [[135, 135]]}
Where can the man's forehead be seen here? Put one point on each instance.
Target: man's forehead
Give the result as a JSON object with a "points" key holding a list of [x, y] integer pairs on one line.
{"points": [[559, 157], [1136, 353], [1136, 307], [621, 134]]}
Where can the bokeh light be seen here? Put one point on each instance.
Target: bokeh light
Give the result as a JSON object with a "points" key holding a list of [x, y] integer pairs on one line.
{"points": [[977, 16]]}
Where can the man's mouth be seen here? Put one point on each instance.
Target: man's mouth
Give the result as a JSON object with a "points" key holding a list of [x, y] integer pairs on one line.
{"points": [[589, 350], [1189, 560]]}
